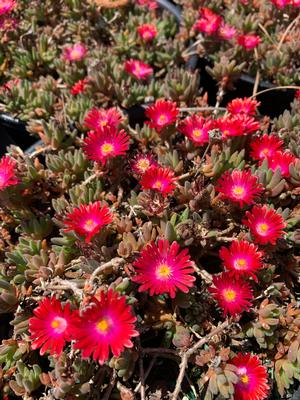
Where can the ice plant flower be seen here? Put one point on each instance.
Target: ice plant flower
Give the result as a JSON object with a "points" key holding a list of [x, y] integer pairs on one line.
{"points": [[243, 106], [79, 87], [253, 378], [196, 128], [88, 219], [265, 146], [248, 123], [142, 162], [265, 224], [99, 118], [7, 172], [239, 186], [159, 179], [281, 3], [282, 160], [151, 4], [249, 42], [208, 22], [232, 294], [138, 69], [107, 324], [164, 268], [105, 144], [161, 114], [227, 32], [6, 6], [228, 127], [242, 258], [75, 53], [147, 32], [50, 328]]}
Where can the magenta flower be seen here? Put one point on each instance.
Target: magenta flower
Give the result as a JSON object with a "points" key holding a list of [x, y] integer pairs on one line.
{"points": [[147, 32], [6, 6], [138, 69], [265, 146], [161, 114], [159, 179], [75, 53], [99, 118], [7, 172], [164, 268], [246, 106], [196, 128], [142, 162], [208, 22], [282, 160], [249, 42]]}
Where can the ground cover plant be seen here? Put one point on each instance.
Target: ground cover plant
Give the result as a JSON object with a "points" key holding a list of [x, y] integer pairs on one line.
{"points": [[149, 240]]}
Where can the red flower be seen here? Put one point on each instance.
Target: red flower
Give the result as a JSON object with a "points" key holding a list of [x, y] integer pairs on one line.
{"points": [[265, 224], [106, 324], [232, 294], [142, 162], [281, 3], [7, 172], [239, 186], [99, 118], [265, 146], [151, 4], [147, 32], [50, 328], [228, 127], [243, 106], [242, 258], [138, 69], [75, 53], [159, 179], [106, 143], [248, 41], [161, 114], [253, 378], [208, 22], [196, 128], [164, 268], [79, 87], [297, 94], [6, 6], [88, 220], [282, 160], [248, 124], [227, 32]]}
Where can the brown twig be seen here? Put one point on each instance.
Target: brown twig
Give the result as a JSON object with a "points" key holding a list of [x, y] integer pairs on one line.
{"points": [[187, 354], [288, 29], [62, 284], [195, 109], [151, 365], [275, 88], [112, 263], [110, 386], [40, 150], [142, 378]]}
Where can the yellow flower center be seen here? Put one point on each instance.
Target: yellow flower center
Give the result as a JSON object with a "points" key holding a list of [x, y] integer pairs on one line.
{"points": [[162, 119], [229, 294], [107, 148], [245, 378], [163, 271], [59, 324], [103, 326], [240, 263], [262, 228], [197, 132], [90, 224], [226, 132], [75, 53], [265, 152], [103, 123], [238, 191], [143, 164], [157, 185]]}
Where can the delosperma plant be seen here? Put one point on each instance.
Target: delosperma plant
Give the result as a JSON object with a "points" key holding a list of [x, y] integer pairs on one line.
{"points": [[157, 260]]}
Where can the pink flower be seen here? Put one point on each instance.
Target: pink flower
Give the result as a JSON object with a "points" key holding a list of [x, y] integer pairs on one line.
{"points": [[243, 106], [196, 128], [79, 87], [237, 125], [50, 328], [265, 146], [138, 69], [151, 4], [107, 324], [164, 268], [253, 378], [88, 220], [142, 162], [242, 258], [281, 3], [75, 53], [7, 172], [159, 179], [248, 123], [99, 118], [265, 224], [297, 94], [208, 22], [232, 294], [147, 32], [161, 114], [283, 161], [248, 41], [227, 32], [239, 186], [8, 24], [6, 6], [106, 143]]}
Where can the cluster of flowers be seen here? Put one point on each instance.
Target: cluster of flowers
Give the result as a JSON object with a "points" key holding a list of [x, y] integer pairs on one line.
{"points": [[6, 22], [285, 3], [211, 23]]}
